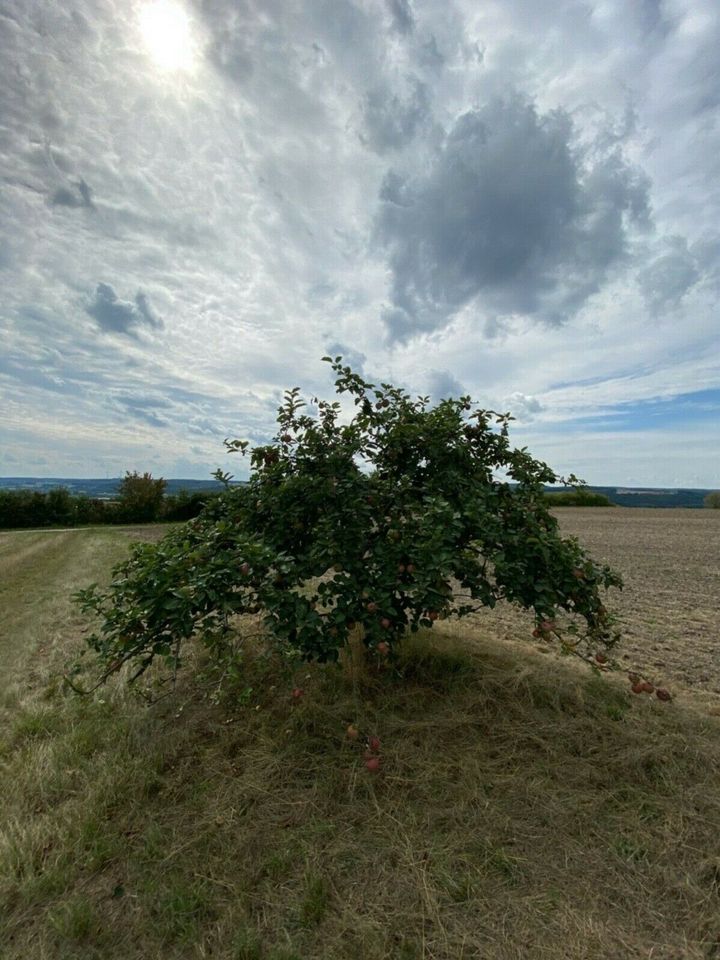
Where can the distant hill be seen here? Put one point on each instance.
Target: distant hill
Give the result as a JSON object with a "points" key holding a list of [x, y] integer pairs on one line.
{"points": [[108, 488], [99, 489]]}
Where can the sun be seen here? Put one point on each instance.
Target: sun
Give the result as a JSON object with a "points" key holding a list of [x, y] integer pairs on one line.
{"points": [[167, 35]]}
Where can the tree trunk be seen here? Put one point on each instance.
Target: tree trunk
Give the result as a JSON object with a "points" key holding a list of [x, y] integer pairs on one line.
{"points": [[354, 654]]}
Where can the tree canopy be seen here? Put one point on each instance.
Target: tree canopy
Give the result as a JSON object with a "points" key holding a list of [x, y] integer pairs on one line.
{"points": [[365, 522]]}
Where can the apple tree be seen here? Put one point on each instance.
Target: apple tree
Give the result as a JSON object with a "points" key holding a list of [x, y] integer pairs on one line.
{"points": [[362, 519]]}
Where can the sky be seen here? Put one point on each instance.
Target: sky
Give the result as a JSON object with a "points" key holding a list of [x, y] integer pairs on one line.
{"points": [[516, 200]]}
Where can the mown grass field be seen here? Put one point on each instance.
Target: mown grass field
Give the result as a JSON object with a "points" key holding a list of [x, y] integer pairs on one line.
{"points": [[525, 808]]}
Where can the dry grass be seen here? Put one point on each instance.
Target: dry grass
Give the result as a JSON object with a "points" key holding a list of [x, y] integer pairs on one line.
{"points": [[525, 809]]}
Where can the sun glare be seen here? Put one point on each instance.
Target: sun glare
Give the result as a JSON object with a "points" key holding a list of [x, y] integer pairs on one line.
{"points": [[167, 36]]}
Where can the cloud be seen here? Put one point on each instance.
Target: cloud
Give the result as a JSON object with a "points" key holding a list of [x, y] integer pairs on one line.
{"points": [[121, 316], [510, 211], [147, 416], [523, 407], [431, 57], [353, 358], [142, 407], [229, 47], [402, 15], [392, 121], [80, 196], [442, 385], [667, 278], [462, 180]]}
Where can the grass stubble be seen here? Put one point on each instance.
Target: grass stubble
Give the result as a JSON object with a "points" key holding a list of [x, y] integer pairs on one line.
{"points": [[525, 808]]}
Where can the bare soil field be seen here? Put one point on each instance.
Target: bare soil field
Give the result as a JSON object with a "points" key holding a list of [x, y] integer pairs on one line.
{"points": [[670, 605]]}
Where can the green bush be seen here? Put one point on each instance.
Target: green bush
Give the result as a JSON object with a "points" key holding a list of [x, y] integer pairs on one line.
{"points": [[359, 527], [712, 500], [184, 505]]}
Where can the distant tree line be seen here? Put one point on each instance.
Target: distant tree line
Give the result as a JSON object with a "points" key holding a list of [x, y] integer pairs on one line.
{"points": [[578, 497], [141, 499], [712, 500]]}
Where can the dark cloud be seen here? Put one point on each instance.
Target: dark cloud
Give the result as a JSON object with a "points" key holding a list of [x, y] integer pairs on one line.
{"points": [[204, 426], [147, 416], [64, 197], [443, 386], [143, 306], [430, 56], [33, 372], [402, 15], [509, 210], [229, 48], [392, 121], [142, 408], [80, 195], [121, 316], [163, 409], [706, 254], [354, 358], [651, 18], [85, 193], [400, 324]]}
